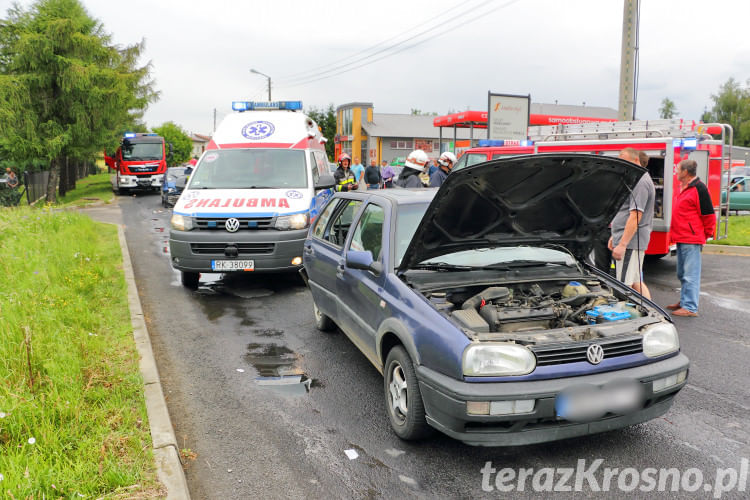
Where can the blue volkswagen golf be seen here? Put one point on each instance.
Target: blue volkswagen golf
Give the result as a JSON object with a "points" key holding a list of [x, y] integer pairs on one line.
{"points": [[476, 304]]}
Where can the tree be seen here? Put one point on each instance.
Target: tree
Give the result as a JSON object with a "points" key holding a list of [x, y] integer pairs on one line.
{"points": [[732, 106], [326, 120], [65, 91], [667, 109], [182, 145]]}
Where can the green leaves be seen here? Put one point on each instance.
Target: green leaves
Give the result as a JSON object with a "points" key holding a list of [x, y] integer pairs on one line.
{"points": [[181, 143], [732, 106]]}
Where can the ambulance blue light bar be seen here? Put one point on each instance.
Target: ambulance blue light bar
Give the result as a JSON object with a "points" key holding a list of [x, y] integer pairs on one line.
{"points": [[129, 135], [266, 105]]}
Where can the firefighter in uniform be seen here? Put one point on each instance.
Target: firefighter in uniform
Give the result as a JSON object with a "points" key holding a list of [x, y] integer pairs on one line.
{"points": [[343, 175], [445, 165], [414, 165]]}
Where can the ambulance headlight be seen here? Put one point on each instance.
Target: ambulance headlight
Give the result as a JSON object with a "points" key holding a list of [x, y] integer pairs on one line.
{"points": [[182, 222], [296, 221]]}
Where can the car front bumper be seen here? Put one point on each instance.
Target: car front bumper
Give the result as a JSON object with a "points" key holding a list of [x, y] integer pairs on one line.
{"points": [[140, 181], [188, 249], [445, 404]]}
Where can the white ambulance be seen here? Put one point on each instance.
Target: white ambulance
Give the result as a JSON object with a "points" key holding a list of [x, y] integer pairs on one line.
{"points": [[252, 195]]}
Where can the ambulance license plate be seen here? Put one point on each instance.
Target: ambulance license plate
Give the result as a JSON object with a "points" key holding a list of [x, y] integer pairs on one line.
{"points": [[233, 265]]}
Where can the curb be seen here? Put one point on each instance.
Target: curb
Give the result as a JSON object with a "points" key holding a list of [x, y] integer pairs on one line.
{"points": [[166, 453], [726, 250]]}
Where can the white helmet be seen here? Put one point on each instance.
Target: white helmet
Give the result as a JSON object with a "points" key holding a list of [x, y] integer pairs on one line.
{"points": [[447, 157], [417, 159]]}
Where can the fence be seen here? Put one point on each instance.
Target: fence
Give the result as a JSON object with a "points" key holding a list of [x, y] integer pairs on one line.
{"points": [[36, 185]]}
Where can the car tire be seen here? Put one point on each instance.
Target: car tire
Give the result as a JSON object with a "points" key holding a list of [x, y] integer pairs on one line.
{"points": [[322, 322], [189, 280], [403, 399]]}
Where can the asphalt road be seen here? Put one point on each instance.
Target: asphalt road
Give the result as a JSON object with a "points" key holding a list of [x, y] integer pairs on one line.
{"points": [[219, 348]]}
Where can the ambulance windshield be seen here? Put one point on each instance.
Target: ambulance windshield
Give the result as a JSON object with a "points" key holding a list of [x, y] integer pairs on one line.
{"points": [[250, 169]]}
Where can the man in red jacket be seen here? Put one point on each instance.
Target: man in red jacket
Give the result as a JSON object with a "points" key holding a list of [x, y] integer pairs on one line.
{"points": [[693, 221]]}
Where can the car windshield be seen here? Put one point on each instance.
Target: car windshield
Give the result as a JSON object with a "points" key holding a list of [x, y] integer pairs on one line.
{"points": [[250, 169], [503, 257], [469, 159], [407, 221], [135, 151]]}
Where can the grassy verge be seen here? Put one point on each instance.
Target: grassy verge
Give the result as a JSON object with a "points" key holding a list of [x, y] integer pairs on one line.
{"points": [[88, 190], [73, 421], [738, 232]]}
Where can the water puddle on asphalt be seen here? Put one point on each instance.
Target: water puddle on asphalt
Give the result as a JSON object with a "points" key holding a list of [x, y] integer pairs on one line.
{"points": [[278, 369], [234, 285]]}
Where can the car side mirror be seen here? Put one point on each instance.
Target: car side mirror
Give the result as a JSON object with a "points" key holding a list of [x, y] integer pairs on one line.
{"points": [[363, 260], [325, 181]]}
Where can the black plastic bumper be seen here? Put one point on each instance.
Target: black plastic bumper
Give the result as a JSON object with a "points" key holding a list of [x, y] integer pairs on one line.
{"points": [[445, 403]]}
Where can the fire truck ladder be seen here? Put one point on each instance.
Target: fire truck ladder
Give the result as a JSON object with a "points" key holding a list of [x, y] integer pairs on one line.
{"points": [[645, 129]]}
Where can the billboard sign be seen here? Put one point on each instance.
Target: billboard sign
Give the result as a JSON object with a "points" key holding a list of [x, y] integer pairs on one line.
{"points": [[508, 116]]}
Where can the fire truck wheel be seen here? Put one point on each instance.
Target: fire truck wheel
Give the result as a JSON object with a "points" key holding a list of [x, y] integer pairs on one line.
{"points": [[190, 280]]}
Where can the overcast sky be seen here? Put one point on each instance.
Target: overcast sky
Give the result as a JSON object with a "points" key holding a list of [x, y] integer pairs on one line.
{"points": [[564, 51]]}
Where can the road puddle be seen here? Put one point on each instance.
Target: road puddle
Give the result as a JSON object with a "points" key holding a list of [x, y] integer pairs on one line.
{"points": [[231, 284], [278, 369]]}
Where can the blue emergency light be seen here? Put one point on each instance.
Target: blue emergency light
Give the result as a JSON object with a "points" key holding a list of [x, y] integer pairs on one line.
{"points": [[266, 105], [129, 135], [484, 143], [685, 143]]}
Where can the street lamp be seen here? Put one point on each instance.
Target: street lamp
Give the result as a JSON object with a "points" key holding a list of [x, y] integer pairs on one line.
{"points": [[269, 81]]}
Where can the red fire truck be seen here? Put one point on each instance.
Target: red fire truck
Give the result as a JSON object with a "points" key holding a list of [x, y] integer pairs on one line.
{"points": [[139, 163], [667, 142]]}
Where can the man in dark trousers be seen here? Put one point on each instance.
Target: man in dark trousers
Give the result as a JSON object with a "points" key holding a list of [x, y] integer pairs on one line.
{"points": [[693, 221]]}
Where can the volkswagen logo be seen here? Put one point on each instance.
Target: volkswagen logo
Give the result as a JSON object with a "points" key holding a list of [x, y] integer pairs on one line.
{"points": [[232, 225], [595, 354]]}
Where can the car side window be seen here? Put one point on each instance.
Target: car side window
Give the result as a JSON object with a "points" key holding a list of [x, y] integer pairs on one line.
{"points": [[322, 162], [342, 222], [314, 168], [322, 221], [368, 235]]}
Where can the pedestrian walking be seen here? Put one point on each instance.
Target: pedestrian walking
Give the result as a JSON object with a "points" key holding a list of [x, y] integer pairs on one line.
{"points": [[413, 167], [388, 174], [693, 222], [631, 229], [445, 162], [373, 176]]}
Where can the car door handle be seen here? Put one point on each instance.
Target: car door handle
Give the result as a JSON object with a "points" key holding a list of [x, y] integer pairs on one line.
{"points": [[308, 251]]}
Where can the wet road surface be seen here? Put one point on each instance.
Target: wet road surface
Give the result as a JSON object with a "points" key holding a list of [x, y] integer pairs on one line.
{"points": [[270, 405]]}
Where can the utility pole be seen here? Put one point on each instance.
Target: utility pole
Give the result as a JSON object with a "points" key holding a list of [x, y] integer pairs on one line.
{"points": [[214, 120], [269, 81], [628, 60]]}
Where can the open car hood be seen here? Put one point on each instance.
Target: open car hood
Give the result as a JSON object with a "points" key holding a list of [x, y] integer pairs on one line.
{"points": [[563, 199]]}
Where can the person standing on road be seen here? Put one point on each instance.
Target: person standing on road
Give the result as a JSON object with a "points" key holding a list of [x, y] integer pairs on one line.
{"points": [[631, 229], [359, 173], [343, 175], [693, 222], [372, 176], [387, 173], [446, 162], [414, 165]]}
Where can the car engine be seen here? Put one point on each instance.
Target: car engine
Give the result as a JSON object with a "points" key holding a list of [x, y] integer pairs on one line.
{"points": [[529, 307]]}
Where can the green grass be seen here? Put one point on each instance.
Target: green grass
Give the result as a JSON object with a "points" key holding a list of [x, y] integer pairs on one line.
{"points": [[738, 233], [69, 374], [96, 187]]}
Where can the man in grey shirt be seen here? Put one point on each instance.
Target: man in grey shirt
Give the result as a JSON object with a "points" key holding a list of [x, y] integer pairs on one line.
{"points": [[631, 229]]}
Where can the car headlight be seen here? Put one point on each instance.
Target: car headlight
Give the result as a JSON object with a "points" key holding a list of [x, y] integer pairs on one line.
{"points": [[296, 221], [485, 360], [182, 222], [660, 339]]}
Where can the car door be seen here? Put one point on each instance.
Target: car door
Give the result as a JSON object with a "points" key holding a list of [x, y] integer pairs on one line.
{"points": [[319, 166], [324, 252], [361, 309], [739, 197]]}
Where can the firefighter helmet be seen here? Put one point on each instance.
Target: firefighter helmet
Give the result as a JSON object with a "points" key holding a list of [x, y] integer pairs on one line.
{"points": [[447, 157], [417, 159]]}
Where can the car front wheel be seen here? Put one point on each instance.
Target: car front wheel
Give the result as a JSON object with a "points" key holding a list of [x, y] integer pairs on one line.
{"points": [[403, 398], [322, 322]]}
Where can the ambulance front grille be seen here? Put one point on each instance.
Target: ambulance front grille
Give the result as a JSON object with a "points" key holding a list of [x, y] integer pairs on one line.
{"points": [[217, 223]]}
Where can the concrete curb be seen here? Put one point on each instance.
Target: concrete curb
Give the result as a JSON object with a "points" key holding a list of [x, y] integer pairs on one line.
{"points": [[166, 453], [726, 250]]}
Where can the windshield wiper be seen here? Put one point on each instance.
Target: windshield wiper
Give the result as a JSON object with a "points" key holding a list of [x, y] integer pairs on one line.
{"points": [[257, 187], [442, 266], [523, 263]]}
